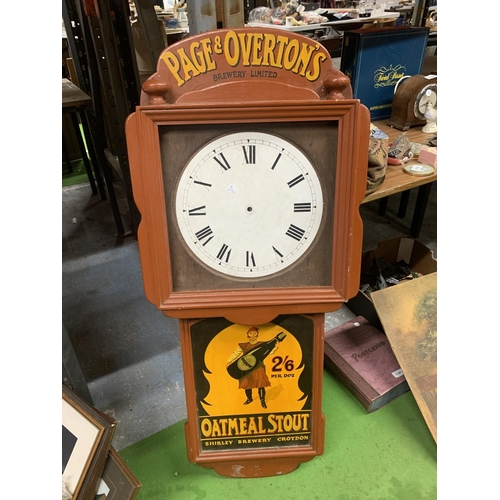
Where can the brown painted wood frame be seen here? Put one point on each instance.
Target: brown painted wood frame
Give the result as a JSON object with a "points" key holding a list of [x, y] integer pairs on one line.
{"points": [[254, 462], [245, 304]]}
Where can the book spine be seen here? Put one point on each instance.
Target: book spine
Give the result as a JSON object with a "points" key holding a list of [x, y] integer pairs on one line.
{"points": [[350, 378]]}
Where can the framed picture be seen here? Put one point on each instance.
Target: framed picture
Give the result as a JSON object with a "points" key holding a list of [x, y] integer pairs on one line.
{"points": [[86, 439], [117, 481]]}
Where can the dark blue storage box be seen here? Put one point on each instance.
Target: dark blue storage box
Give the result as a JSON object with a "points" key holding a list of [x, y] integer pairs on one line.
{"points": [[376, 58]]}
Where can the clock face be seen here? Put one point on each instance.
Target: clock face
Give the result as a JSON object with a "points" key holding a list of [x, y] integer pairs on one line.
{"points": [[249, 204], [427, 94]]}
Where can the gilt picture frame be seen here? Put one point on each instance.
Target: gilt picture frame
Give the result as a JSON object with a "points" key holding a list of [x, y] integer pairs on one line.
{"points": [[117, 480], [86, 438]]}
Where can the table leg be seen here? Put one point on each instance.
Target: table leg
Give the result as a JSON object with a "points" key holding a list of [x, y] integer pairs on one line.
{"points": [[420, 206], [403, 204], [97, 135], [85, 158], [92, 152], [66, 157], [382, 205]]}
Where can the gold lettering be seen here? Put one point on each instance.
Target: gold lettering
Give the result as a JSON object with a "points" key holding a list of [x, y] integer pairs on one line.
{"points": [[174, 66], [232, 48], [268, 50], [270, 419], [223, 422], [261, 425], [297, 427], [281, 48], [279, 418], [197, 58], [290, 55], [257, 46], [303, 59], [206, 43], [233, 427], [206, 427], [317, 60], [252, 426], [246, 45], [187, 65], [287, 423], [243, 425], [217, 45], [305, 419], [215, 429]]}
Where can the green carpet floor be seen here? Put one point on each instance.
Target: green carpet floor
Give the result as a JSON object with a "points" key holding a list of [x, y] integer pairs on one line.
{"points": [[385, 455], [78, 176]]}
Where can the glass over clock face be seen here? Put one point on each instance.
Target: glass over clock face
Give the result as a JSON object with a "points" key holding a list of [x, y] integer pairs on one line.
{"points": [[427, 94], [249, 204]]}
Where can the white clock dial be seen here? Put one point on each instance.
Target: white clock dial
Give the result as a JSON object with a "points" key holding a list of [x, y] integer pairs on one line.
{"points": [[427, 94], [249, 204]]}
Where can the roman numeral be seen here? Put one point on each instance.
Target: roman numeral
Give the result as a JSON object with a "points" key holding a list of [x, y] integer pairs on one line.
{"points": [[295, 232], [276, 161], [276, 251], [250, 153], [222, 161], [202, 183], [198, 211], [206, 232], [301, 207], [250, 259], [295, 181], [224, 250]]}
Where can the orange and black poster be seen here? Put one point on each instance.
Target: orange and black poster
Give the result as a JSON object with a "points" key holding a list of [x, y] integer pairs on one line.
{"points": [[253, 383]]}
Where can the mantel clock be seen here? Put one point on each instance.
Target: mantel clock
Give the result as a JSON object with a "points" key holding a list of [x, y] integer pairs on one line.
{"points": [[411, 95]]}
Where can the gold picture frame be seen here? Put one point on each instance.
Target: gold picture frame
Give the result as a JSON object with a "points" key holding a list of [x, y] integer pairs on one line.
{"points": [[117, 480], [86, 440]]}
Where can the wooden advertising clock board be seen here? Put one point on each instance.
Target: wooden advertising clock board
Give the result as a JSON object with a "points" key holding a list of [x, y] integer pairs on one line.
{"points": [[248, 159]]}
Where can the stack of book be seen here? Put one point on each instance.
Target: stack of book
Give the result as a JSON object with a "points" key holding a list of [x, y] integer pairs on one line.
{"points": [[359, 355]]}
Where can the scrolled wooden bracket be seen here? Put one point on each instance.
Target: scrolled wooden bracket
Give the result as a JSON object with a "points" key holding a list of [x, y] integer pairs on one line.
{"points": [[338, 85]]}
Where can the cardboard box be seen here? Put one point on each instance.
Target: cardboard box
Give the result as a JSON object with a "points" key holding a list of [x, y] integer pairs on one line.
{"points": [[416, 254], [375, 59]]}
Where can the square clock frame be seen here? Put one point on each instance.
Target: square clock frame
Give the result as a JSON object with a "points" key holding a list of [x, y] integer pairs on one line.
{"points": [[324, 140]]}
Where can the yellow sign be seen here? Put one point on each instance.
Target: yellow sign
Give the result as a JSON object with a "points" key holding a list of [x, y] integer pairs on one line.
{"points": [[254, 383]]}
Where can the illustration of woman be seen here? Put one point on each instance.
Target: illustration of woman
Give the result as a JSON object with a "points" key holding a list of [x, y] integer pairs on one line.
{"points": [[257, 379]]}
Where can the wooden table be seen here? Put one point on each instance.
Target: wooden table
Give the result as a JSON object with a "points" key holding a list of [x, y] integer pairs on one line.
{"points": [[74, 102], [73, 95], [78, 104], [398, 181]]}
